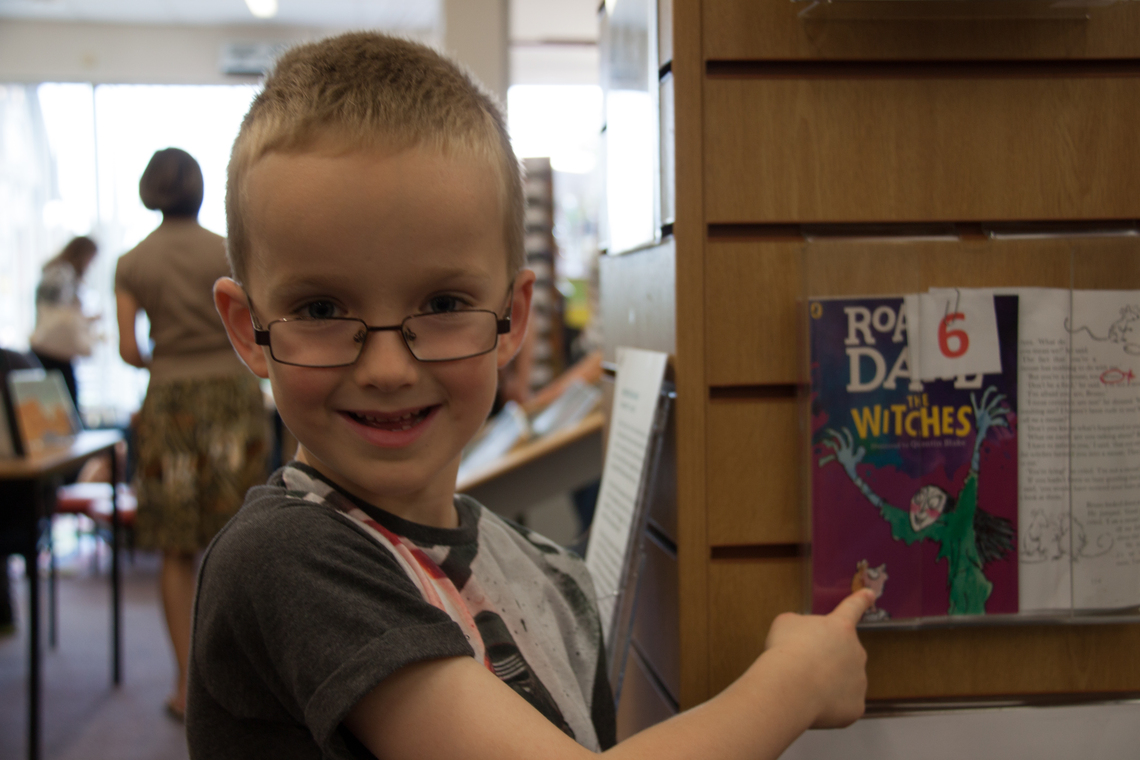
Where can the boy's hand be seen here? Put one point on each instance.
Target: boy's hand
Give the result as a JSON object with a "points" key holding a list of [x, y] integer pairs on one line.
{"points": [[827, 653]]}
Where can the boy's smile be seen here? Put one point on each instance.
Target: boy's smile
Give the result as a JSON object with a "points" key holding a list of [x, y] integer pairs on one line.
{"points": [[380, 236]]}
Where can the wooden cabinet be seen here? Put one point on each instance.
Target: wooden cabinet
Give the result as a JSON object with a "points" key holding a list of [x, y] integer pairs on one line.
{"points": [[786, 129]]}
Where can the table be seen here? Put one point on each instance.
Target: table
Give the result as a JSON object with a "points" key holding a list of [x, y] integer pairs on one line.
{"points": [[562, 461], [27, 500]]}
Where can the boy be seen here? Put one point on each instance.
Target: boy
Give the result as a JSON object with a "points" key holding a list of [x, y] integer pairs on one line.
{"points": [[357, 606]]}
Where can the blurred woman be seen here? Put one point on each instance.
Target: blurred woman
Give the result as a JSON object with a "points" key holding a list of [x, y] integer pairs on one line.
{"points": [[62, 331], [201, 430]]}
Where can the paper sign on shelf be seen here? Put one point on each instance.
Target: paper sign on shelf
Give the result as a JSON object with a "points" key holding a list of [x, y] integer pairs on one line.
{"points": [[636, 391], [957, 334]]}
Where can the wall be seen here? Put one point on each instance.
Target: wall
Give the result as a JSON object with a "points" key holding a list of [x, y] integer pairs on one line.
{"points": [[35, 51]]}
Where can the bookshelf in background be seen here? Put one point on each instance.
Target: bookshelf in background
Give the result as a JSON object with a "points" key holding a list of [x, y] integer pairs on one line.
{"points": [[546, 351]]}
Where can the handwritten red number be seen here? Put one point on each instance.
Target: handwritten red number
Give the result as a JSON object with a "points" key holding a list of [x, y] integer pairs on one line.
{"points": [[945, 334]]}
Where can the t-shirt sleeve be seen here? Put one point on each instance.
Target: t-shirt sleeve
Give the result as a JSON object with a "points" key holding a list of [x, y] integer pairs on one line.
{"points": [[300, 612]]}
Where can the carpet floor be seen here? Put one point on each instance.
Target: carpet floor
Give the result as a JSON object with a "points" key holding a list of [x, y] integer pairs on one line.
{"points": [[84, 716]]}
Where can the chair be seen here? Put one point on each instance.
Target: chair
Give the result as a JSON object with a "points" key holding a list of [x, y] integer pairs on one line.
{"points": [[92, 500]]}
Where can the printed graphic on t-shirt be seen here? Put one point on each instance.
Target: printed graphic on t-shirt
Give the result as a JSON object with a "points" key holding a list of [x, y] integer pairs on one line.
{"points": [[510, 621]]}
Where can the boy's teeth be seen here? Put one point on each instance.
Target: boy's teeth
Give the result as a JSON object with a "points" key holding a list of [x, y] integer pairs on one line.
{"points": [[393, 422], [372, 418]]}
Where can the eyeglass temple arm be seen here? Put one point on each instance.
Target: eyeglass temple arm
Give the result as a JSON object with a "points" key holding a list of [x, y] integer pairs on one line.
{"points": [[260, 336]]}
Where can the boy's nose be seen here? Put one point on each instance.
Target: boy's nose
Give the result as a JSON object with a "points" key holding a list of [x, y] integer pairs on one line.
{"points": [[385, 361]]}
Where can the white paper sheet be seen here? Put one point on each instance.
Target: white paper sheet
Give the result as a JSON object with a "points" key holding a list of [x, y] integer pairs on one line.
{"points": [[1044, 576], [636, 392], [1079, 497], [1105, 332], [957, 332]]}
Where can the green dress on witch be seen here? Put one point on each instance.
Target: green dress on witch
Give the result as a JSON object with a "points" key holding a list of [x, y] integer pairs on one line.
{"points": [[953, 531], [967, 537]]}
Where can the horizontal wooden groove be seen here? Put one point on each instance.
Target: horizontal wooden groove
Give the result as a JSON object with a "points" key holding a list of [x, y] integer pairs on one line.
{"points": [[757, 551], [887, 708], [782, 231], [749, 392], [985, 69]]}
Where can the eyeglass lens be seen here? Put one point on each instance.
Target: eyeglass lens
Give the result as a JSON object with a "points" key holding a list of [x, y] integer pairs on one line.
{"points": [[337, 342]]}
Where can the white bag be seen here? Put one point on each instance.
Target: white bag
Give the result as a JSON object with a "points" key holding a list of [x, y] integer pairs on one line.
{"points": [[62, 332]]}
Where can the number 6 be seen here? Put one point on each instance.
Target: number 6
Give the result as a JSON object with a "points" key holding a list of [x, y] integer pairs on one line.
{"points": [[945, 334]]}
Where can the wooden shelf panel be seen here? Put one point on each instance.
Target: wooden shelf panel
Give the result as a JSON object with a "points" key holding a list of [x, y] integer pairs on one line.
{"points": [[752, 329], [997, 661], [834, 150], [745, 596], [754, 490], [753, 334], [772, 29]]}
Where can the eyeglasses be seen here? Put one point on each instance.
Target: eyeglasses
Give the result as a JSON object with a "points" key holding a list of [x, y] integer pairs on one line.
{"points": [[339, 341]]}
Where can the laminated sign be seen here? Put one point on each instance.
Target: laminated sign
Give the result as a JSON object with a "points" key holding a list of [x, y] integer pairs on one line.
{"points": [[956, 334]]}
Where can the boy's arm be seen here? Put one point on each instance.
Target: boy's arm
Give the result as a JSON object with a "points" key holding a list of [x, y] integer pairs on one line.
{"points": [[811, 674]]}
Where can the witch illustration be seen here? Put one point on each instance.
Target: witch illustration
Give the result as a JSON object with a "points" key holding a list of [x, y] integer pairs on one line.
{"points": [[968, 537], [874, 578]]}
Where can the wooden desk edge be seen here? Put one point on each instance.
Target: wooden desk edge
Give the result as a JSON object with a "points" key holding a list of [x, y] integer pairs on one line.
{"points": [[533, 450], [86, 444]]}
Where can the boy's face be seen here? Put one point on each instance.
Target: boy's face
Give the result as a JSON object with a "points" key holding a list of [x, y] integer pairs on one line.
{"points": [[378, 236]]}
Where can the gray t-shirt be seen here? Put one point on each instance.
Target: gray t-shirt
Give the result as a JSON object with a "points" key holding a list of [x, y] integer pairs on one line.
{"points": [[309, 598]]}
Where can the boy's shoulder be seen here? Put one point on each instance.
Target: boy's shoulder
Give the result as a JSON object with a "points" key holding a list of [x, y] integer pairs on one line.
{"points": [[277, 527], [300, 518]]}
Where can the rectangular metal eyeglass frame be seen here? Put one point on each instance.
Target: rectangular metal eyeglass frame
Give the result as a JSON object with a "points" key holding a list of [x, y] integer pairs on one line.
{"points": [[261, 335]]}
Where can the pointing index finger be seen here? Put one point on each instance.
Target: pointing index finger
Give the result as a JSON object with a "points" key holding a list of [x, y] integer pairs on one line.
{"points": [[853, 607]]}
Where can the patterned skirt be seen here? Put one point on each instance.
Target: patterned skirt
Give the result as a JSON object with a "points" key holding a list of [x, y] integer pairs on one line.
{"points": [[201, 444]]}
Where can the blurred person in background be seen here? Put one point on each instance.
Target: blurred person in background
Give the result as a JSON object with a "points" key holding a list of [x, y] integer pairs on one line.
{"points": [[62, 331], [201, 432]]}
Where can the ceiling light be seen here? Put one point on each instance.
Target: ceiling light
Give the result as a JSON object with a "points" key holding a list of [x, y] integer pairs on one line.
{"points": [[262, 8]]}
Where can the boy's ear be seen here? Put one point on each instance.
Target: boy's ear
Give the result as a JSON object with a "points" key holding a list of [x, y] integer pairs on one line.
{"points": [[233, 306], [510, 343]]}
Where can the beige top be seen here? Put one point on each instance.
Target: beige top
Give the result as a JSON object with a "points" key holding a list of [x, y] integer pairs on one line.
{"points": [[171, 274]]}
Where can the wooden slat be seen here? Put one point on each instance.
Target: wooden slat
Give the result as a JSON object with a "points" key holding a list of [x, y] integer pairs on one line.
{"points": [[745, 596], [689, 231], [753, 332], [772, 29], [754, 490], [1002, 661], [1107, 264], [885, 267], [955, 663], [930, 149]]}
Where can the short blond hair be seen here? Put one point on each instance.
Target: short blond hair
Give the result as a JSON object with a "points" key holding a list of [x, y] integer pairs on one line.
{"points": [[369, 90]]}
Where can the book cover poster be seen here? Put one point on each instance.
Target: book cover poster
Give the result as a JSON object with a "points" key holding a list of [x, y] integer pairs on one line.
{"points": [[43, 407], [914, 483]]}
